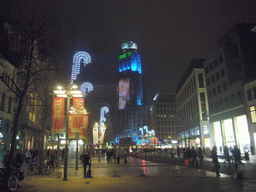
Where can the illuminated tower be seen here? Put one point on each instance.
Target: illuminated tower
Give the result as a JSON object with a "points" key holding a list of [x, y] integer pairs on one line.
{"points": [[130, 88]]}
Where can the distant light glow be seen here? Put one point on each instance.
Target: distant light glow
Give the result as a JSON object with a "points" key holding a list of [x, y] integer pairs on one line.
{"points": [[129, 45], [86, 87], [77, 59]]}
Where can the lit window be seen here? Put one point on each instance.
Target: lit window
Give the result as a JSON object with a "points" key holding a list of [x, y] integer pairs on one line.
{"points": [[253, 114]]}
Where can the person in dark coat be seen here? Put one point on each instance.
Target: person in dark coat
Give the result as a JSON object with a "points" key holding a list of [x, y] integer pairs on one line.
{"points": [[178, 151], [194, 156], [86, 161], [237, 155], [200, 156], [215, 160], [226, 155]]}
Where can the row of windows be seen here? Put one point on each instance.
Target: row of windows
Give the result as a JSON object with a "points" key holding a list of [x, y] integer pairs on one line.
{"points": [[161, 129], [217, 90], [165, 123], [190, 87], [226, 100], [251, 94], [214, 64], [165, 111], [165, 105], [215, 77], [171, 135]]}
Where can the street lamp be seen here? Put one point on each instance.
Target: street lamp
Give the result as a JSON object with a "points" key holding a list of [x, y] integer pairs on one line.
{"points": [[69, 93]]}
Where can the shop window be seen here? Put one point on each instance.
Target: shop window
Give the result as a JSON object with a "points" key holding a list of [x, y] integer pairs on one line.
{"points": [[249, 94], [222, 73], [217, 76], [208, 83], [206, 69], [211, 66], [253, 114], [224, 86], [212, 79], [215, 63], [220, 58]]}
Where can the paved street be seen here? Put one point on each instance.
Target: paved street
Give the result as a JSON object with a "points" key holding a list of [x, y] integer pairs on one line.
{"points": [[159, 176]]}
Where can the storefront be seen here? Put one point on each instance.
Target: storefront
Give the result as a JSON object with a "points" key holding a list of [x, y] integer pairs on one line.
{"points": [[231, 132]]}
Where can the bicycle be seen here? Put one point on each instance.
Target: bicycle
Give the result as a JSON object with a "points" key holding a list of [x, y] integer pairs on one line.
{"points": [[33, 168], [49, 167]]}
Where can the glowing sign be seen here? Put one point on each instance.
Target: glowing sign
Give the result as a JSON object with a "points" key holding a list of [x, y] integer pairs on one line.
{"points": [[124, 92], [78, 59], [86, 87]]}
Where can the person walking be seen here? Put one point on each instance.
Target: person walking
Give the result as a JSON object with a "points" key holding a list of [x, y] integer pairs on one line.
{"points": [[86, 161], [194, 156], [215, 160], [200, 156], [226, 155], [108, 155], [178, 151], [125, 158], [27, 156], [237, 155]]}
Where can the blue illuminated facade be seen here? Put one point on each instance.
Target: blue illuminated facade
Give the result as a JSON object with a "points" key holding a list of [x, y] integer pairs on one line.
{"points": [[130, 67]]}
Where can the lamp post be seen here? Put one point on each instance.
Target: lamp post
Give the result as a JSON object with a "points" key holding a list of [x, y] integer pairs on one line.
{"points": [[69, 93]]}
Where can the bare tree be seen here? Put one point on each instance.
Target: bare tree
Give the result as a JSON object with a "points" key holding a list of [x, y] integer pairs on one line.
{"points": [[33, 65]]}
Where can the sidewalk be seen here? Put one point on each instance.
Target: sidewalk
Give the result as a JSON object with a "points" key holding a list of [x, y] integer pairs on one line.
{"points": [[158, 177]]}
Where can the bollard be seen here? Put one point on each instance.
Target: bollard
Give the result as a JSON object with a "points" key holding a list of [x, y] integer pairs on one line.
{"points": [[238, 176], [175, 172], [59, 174], [115, 174], [141, 173], [201, 173]]}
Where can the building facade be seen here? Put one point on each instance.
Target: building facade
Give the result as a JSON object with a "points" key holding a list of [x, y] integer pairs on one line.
{"points": [[192, 107], [226, 73], [164, 118]]}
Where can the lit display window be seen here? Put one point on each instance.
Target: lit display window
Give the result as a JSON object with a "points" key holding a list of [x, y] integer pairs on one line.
{"points": [[253, 114]]}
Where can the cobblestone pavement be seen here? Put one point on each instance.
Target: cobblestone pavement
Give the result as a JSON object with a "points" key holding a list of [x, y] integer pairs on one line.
{"points": [[130, 177]]}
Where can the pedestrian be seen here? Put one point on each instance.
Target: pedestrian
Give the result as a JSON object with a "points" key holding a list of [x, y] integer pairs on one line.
{"points": [[237, 155], [172, 152], [200, 156], [252, 150], [52, 158], [178, 151], [27, 156], [226, 155], [194, 156], [117, 157], [108, 155], [215, 160], [125, 158], [86, 161]]}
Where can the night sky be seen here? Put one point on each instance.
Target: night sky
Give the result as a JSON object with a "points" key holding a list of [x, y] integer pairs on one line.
{"points": [[169, 33]]}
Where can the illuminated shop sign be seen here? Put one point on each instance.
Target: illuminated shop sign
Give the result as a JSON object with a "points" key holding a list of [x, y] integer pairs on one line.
{"points": [[197, 132]]}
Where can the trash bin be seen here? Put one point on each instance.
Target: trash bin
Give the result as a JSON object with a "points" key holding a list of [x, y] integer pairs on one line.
{"points": [[246, 156]]}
